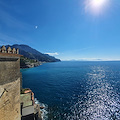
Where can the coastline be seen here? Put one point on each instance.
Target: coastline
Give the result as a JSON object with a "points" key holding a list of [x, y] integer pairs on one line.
{"points": [[31, 65], [40, 109]]}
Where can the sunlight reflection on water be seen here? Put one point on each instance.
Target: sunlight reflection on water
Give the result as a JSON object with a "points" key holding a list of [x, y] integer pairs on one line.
{"points": [[100, 102]]}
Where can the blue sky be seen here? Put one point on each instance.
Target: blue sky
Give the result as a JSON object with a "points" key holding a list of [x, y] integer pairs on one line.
{"points": [[67, 29]]}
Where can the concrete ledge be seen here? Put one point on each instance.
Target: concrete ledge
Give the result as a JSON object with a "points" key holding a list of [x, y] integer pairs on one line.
{"points": [[28, 110]]}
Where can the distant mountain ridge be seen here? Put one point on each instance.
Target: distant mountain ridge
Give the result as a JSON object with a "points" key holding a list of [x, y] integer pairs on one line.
{"points": [[31, 53]]}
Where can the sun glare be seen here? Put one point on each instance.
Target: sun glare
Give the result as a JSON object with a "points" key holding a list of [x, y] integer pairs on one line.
{"points": [[96, 6], [97, 3]]}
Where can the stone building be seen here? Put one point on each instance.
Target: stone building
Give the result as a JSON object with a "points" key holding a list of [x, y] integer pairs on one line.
{"points": [[13, 104], [27, 104], [9, 85]]}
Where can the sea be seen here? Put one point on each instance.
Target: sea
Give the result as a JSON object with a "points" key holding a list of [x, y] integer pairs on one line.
{"points": [[76, 90]]}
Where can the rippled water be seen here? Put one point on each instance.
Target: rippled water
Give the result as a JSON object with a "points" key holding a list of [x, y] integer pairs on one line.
{"points": [[77, 90], [100, 102]]}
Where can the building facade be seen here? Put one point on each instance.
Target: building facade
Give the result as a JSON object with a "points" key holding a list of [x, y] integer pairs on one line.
{"points": [[10, 79]]}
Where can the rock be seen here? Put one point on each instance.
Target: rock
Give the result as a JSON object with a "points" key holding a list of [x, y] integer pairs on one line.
{"points": [[42, 107]]}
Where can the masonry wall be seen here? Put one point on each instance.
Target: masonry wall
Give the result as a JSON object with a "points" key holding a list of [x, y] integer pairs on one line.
{"points": [[9, 69], [10, 87], [10, 101]]}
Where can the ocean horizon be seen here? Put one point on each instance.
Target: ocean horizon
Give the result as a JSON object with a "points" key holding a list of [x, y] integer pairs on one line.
{"points": [[76, 90]]}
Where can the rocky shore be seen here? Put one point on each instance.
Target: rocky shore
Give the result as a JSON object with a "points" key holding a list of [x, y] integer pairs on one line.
{"points": [[29, 63]]}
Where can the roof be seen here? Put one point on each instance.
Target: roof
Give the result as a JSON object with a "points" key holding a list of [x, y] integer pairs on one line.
{"points": [[26, 99]]}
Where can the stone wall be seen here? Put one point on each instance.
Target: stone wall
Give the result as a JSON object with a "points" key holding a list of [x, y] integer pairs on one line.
{"points": [[10, 101], [10, 86], [9, 70]]}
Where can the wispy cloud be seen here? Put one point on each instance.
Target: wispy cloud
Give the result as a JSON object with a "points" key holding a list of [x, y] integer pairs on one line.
{"points": [[12, 22], [79, 49], [52, 54], [92, 59], [6, 39], [13, 27], [83, 49]]}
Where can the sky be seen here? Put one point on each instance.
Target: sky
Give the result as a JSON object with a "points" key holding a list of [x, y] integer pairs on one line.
{"points": [[66, 29]]}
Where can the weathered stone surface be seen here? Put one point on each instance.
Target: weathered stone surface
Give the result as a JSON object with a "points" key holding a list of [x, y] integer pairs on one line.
{"points": [[10, 84], [9, 70], [9, 50], [10, 101], [10, 87], [3, 49]]}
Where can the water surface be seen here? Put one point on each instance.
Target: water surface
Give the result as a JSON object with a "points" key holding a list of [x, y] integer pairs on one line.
{"points": [[77, 90]]}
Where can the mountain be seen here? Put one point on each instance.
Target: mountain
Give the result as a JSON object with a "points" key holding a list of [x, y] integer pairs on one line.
{"points": [[31, 53]]}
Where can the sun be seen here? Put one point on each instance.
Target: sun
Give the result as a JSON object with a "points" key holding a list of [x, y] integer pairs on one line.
{"points": [[98, 3], [96, 6]]}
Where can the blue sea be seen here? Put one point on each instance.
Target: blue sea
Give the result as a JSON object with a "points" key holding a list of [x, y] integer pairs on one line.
{"points": [[76, 90]]}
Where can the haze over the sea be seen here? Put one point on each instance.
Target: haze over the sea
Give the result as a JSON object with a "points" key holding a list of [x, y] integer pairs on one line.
{"points": [[67, 29]]}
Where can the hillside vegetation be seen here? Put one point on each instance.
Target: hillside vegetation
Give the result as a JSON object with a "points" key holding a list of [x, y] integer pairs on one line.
{"points": [[32, 57]]}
